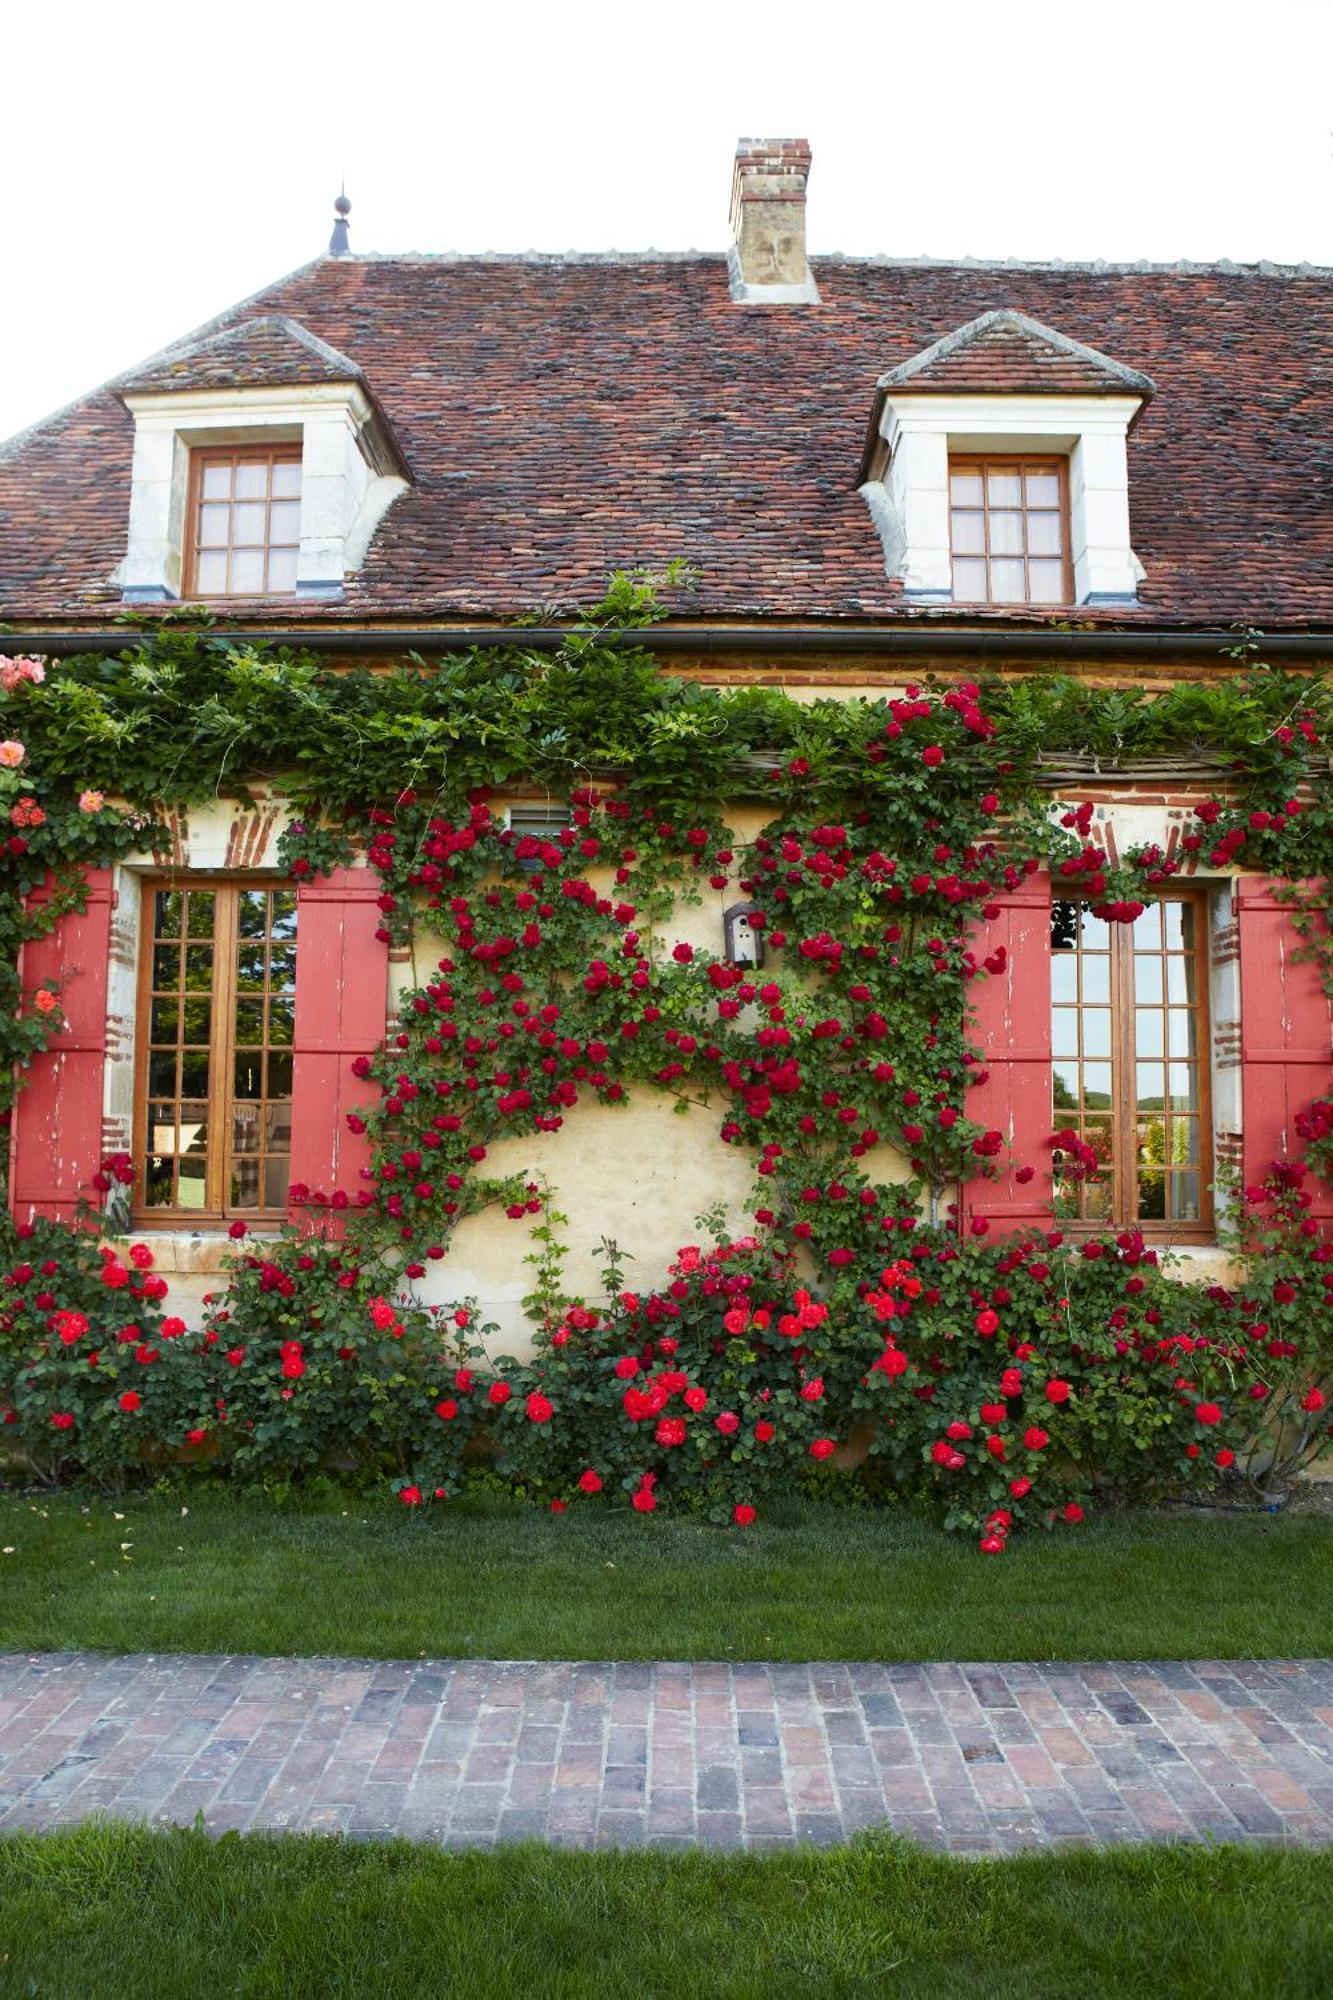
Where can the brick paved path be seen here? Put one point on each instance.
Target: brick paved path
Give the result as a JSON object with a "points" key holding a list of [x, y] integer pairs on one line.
{"points": [[980, 1759]]}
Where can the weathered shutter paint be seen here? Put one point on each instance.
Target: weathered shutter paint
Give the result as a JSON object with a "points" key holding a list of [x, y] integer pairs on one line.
{"points": [[342, 981], [57, 1140], [1013, 1032], [1286, 1034]]}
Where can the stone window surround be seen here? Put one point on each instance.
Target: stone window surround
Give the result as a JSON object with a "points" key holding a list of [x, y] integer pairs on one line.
{"points": [[350, 477], [908, 491]]}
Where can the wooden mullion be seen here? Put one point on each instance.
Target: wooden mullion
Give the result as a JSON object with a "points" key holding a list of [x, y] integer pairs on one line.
{"points": [[1124, 1079], [222, 1061]]}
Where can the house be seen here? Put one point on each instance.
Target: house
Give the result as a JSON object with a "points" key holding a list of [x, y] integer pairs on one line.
{"points": [[879, 470]]}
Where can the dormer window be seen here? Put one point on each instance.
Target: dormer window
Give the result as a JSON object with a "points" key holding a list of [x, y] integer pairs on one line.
{"points": [[244, 521], [1009, 530], [263, 465], [996, 468]]}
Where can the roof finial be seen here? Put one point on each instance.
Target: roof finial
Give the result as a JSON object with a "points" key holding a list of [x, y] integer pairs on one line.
{"points": [[338, 243]]}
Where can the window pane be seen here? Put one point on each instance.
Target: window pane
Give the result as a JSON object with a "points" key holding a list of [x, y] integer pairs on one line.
{"points": [[1147, 928], [192, 1133], [1043, 489], [1064, 1032], [1096, 1023], [1003, 489], [1006, 534], [1184, 1085], [248, 1082], [1152, 1196], [1181, 1032], [1046, 582], [282, 571], [1065, 1082], [1152, 1086], [1097, 1086], [191, 1184], [969, 534], [1097, 1200], [284, 521], [1184, 1205], [197, 1019], [199, 920], [216, 482], [248, 524], [251, 479], [283, 904], [213, 527], [286, 479], [969, 581], [1096, 977], [277, 1173], [282, 968], [278, 1074], [1064, 976], [198, 968], [1044, 538], [164, 1021], [280, 1017], [1147, 978], [245, 1126], [194, 1073], [1179, 926], [249, 1023], [1149, 1037], [250, 965], [162, 1073], [247, 572], [210, 573], [1007, 582], [965, 489], [167, 966]]}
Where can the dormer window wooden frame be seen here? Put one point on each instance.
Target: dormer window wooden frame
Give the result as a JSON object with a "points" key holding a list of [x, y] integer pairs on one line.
{"points": [[1009, 529], [243, 521]]}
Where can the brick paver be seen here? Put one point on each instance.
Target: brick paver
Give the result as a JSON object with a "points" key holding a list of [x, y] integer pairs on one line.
{"points": [[976, 1759]]}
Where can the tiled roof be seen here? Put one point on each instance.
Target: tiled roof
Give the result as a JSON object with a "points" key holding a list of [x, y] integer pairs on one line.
{"points": [[568, 416], [1006, 353], [272, 350]]}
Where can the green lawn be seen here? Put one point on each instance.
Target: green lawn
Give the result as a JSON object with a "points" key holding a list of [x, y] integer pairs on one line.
{"points": [[216, 1573], [102, 1911]]}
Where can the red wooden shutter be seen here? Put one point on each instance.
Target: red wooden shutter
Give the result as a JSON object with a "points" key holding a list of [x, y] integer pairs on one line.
{"points": [[57, 1141], [342, 990], [1013, 1032], [1286, 1035]]}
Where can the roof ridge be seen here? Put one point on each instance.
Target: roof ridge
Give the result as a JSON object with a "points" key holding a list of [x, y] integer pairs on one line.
{"points": [[1263, 267]]}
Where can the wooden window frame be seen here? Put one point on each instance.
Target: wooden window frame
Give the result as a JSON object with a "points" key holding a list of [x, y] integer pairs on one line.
{"points": [[217, 1210], [1021, 462], [287, 452], [1124, 1089]]}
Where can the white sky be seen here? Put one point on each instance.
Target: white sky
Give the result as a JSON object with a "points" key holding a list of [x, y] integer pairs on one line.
{"points": [[164, 160]]}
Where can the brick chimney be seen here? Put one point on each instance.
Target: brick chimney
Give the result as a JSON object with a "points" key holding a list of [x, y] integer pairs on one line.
{"points": [[767, 259]]}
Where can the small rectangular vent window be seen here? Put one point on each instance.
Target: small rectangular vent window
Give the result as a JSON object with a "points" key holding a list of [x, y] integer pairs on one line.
{"points": [[535, 827]]}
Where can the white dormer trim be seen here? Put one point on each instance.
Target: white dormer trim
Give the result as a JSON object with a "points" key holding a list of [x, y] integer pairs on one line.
{"points": [[350, 477], [908, 493]]}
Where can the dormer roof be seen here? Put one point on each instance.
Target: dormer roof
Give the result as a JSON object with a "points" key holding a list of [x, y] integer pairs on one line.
{"points": [[272, 351], [1005, 353]]}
